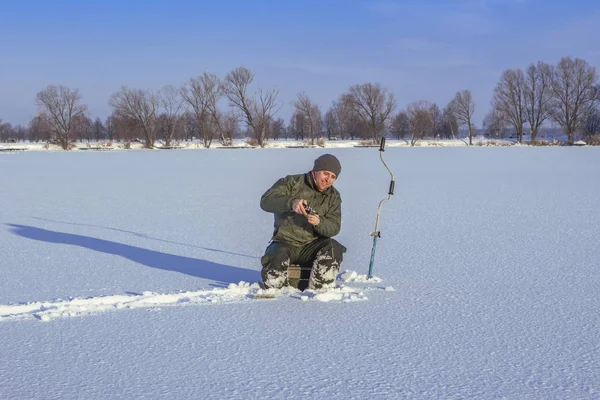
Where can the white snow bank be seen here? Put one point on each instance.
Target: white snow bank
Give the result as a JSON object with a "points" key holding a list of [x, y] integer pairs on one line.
{"points": [[234, 293], [243, 143]]}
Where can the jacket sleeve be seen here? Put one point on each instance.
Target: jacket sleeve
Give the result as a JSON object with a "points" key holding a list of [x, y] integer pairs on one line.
{"points": [[278, 199], [331, 223]]}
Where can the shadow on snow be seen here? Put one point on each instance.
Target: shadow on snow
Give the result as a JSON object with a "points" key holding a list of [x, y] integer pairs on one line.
{"points": [[169, 262], [144, 236]]}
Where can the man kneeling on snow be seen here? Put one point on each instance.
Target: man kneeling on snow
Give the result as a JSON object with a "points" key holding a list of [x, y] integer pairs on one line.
{"points": [[308, 213]]}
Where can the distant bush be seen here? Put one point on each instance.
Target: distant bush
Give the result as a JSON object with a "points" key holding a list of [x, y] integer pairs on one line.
{"points": [[593, 140], [547, 143], [492, 142], [321, 142], [368, 143], [52, 146], [252, 142]]}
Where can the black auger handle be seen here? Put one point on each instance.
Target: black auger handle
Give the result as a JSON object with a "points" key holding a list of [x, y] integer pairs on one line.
{"points": [[382, 144], [391, 188]]}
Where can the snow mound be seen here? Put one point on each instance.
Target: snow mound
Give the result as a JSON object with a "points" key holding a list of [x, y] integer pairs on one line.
{"points": [[353, 276], [344, 294]]}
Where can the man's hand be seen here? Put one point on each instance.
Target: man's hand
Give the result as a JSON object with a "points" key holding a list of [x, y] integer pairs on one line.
{"points": [[298, 206], [313, 219]]}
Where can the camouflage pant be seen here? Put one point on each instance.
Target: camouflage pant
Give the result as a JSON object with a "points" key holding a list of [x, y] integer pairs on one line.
{"points": [[325, 255]]}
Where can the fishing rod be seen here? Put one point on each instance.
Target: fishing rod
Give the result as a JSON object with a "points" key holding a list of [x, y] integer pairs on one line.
{"points": [[377, 234]]}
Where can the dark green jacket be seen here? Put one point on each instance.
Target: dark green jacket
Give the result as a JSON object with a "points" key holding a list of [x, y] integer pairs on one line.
{"points": [[293, 228]]}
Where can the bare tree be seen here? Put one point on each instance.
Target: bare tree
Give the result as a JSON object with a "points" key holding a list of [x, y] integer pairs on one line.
{"points": [[449, 123], [171, 102], [196, 96], [509, 98], [21, 133], [538, 94], [421, 120], [109, 125], [214, 92], [98, 130], [125, 129], [357, 128], [592, 125], [495, 124], [331, 124], [290, 131], [463, 108], [277, 129], [82, 128], [257, 110], [400, 126], [374, 105], [39, 129], [231, 126], [141, 108], [190, 127], [179, 131], [574, 94], [202, 94], [298, 126], [312, 113], [342, 113], [5, 131], [436, 117], [58, 107]]}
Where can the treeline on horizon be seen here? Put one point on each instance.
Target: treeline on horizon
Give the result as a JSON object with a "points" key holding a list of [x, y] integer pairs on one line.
{"points": [[566, 94]]}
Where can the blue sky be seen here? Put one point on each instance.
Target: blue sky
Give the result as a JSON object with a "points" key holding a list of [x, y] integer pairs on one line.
{"points": [[418, 49]]}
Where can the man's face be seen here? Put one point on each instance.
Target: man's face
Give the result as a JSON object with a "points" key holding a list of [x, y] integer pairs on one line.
{"points": [[324, 179]]}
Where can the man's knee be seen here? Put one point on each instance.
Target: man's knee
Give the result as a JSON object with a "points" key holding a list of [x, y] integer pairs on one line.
{"points": [[333, 250], [337, 251]]}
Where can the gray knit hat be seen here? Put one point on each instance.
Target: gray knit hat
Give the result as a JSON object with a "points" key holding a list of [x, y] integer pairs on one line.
{"points": [[328, 162]]}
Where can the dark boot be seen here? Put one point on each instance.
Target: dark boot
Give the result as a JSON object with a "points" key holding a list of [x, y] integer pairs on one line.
{"points": [[326, 265], [275, 264]]}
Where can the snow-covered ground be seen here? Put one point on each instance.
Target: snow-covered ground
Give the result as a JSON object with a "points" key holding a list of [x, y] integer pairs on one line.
{"points": [[132, 275]]}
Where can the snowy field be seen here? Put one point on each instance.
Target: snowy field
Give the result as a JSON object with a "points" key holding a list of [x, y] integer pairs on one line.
{"points": [[120, 277]]}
